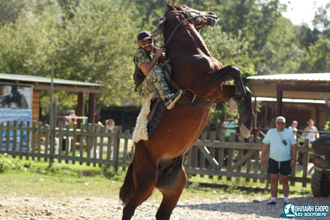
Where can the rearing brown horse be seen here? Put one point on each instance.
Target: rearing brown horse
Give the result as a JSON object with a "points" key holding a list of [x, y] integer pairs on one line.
{"points": [[157, 163]]}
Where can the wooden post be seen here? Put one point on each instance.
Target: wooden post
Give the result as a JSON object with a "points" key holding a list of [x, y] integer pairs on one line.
{"points": [[305, 163], [221, 152], [230, 154], [116, 147], [255, 114], [81, 107], [212, 150], [278, 110], [202, 157], [92, 108], [80, 112]]}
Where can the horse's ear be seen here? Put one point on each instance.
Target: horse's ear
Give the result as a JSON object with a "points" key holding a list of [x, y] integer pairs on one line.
{"points": [[169, 5]]}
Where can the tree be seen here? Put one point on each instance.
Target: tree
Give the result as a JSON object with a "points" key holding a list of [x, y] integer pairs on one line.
{"points": [[10, 11], [317, 58], [95, 45], [321, 20], [306, 36]]}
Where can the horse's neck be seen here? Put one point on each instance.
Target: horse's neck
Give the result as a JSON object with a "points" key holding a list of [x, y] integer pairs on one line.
{"points": [[189, 42], [193, 50]]}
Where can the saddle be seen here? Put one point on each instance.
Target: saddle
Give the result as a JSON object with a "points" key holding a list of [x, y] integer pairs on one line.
{"points": [[157, 106], [155, 101], [150, 115]]}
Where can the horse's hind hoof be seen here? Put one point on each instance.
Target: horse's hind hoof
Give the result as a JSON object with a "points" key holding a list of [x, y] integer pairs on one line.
{"points": [[233, 105], [245, 131]]}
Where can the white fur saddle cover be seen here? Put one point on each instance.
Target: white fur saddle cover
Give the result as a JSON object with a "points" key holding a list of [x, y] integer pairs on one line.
{"points": [[141, 130]]}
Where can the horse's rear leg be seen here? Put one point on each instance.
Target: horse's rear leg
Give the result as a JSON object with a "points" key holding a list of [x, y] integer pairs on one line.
{"points": [[239, 88], [227, 93], [246, 126], [145, 178], [171, 186], [221, 75]]}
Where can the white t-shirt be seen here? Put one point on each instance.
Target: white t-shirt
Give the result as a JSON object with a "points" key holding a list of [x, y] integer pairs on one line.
{"points": [[109, 127], [312, 134], [278, 151], [294, 131]]}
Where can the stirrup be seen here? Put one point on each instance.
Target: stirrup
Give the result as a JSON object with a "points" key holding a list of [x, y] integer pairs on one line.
{"points": [[172, 99]]}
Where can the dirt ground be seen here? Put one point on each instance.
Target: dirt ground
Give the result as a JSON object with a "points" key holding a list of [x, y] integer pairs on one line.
{"points": [[32, 208]]}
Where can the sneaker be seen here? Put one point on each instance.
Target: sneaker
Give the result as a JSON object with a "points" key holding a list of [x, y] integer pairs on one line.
{"points": [[286, 202], [271, 202], [172, 99]]}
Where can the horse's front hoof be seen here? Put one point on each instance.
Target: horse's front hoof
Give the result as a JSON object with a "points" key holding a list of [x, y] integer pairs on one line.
{"points": [[233, 105], [245, 131]]}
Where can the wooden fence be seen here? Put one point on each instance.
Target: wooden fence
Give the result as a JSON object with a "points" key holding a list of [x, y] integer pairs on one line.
{"points": [[224, 157], [91, 146], [227, 158]]}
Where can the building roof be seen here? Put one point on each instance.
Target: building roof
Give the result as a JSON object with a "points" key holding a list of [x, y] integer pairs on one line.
{"points": [[325, 77], [44, 83], [295, 86], [307, 101]]}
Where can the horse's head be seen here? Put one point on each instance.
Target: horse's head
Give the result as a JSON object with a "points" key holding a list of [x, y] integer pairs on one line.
{"points": [[200, 19]]}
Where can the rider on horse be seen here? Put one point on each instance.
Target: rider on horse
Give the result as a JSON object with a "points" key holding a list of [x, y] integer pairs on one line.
{"points": [[148, 76]]}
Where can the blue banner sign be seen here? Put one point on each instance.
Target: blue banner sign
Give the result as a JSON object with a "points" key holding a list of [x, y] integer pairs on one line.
{"points": [[10, 116]]}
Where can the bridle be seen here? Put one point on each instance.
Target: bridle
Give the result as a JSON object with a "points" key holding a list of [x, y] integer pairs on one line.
{"points": [[191, 15]]}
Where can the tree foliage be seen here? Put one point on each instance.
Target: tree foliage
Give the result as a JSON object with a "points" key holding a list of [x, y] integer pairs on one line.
{"points": [[10, 11], [94, 41]]}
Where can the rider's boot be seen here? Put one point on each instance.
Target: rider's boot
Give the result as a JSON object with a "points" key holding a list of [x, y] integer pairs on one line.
{"points": [[172, 99], [164, 90]]}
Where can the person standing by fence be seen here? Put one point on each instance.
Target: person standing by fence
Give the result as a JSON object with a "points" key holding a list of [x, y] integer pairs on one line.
{"points": [[310, 132], [279, 140], [71, 118], [293, 128], [110, 127]]}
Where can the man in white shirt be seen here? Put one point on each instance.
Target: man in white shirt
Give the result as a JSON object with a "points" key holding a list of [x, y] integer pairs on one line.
{"points": [[279, 140]]}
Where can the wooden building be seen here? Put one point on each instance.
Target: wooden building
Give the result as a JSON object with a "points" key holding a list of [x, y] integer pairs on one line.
{"points": [[295, 96], [38, 84], [300, 110]]}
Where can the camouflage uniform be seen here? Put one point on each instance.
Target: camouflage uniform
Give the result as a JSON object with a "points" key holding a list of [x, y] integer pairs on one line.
{"points": [[154, 81]]}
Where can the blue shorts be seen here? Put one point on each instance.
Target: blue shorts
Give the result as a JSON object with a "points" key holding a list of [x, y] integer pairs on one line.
{"points": [[274, 167]]}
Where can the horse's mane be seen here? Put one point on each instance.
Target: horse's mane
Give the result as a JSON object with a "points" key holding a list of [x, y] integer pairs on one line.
{"points": [[162, 21]]}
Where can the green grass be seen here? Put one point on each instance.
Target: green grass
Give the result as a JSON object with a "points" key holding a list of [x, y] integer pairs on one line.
{"points": [[61, 181]]}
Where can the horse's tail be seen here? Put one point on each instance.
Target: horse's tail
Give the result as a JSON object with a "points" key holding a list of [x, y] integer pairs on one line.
{"points": [[127, 189]]}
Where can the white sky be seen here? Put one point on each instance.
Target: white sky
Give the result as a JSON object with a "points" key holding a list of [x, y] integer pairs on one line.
{"points": [[302, 10]]}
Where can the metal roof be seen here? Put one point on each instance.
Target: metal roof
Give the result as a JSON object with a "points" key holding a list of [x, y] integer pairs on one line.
{"points": [[266, 99], [295, 77], [295, 86], [44, 83], [39, 79]]}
